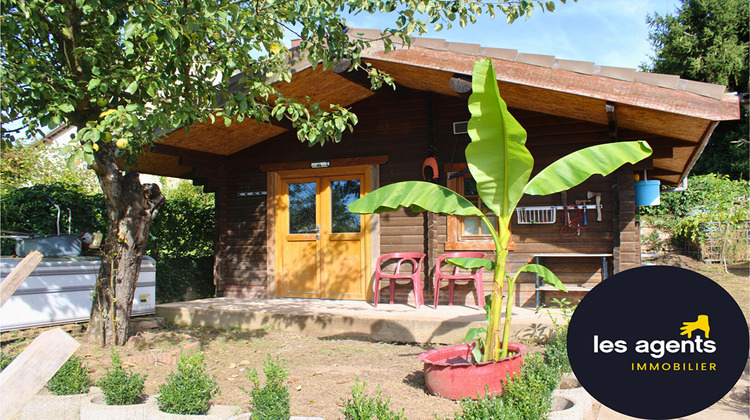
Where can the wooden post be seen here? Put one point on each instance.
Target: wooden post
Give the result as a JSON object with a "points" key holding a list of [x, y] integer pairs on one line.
{"points": [[33, 368], [18, 275], [36, 365]]}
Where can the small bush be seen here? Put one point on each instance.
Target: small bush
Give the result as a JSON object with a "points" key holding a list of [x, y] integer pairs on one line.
{"points": [[5, 360], [529, 395], [556, 350], [119, 386], [362, 407], [271, 401], [72, 378], [188, 390], [484, 408]]}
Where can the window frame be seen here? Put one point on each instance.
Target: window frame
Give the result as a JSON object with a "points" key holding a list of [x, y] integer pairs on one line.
{"points": [[455, 239]]}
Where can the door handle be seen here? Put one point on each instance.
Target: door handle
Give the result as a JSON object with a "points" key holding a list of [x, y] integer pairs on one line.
{"points": [[317, 232]]}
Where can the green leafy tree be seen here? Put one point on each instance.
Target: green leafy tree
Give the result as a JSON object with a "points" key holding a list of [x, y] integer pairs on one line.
{"points": [[123, 72], [40, 163], [707, 40]]}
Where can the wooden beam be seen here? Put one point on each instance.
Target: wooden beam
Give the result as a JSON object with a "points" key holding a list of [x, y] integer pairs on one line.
{"points": [[662, 172], [699, 150], [612, 124], [18, 275], [32, 369], [663, 153], [335, 163], [195, 155], [461, 84]]}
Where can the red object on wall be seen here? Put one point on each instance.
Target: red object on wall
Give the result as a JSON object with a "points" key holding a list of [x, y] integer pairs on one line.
{"points": [[430, 162]]}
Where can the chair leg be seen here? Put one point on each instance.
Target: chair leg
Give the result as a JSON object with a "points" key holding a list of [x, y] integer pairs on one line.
{"points": [[376, 292], [392, 289], [436, 294], [418, 293], [451, 289], [479, 286]]}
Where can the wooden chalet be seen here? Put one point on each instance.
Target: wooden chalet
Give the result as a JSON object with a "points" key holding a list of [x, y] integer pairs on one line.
{"points": [[282, 226]]}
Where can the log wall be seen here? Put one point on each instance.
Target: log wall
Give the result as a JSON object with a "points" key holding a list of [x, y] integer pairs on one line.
{"points": [[409, 126]]}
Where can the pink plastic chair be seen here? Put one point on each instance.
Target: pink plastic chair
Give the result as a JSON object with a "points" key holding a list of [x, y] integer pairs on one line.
{"points": [[475, 275], [413, 259]]}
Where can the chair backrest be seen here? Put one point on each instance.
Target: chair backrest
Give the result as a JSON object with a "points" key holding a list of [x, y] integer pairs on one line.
{"points": [[414, 259], [440, 263]]}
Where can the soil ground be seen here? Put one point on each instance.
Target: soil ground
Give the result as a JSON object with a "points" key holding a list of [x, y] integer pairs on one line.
{"points": [[322, 371]]}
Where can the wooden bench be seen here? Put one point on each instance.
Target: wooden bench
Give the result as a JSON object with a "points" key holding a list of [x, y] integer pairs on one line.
{"points": [[541, 287]]}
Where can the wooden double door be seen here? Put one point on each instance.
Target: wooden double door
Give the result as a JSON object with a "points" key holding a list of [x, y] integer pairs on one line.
{"points": [[322, 250]]}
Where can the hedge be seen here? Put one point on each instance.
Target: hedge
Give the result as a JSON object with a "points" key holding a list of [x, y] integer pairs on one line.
{"points": [[181, 238]]}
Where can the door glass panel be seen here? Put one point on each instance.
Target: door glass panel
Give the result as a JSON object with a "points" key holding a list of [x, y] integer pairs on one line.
{"points": [[342, 194], [302, 208]]}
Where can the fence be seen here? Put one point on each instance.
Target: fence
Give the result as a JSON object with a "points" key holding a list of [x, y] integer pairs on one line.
{"points": [[722, 242]]}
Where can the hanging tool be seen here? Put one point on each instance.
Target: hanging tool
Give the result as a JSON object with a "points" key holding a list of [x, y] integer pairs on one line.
{"points": [[582, 205], [598, 197], [572, 221]]}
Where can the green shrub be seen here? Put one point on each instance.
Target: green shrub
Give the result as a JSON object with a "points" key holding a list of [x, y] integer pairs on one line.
{"points": [[5, 360], [72, 378], [362, 407], [119, 386], [189, 389], [485, 408], [175, 274], [556, 350], [529, 396], [181, 238], [26, 210], [271, 401]]}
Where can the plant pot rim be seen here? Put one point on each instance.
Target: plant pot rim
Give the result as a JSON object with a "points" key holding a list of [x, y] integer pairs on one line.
{"points": [[432, 356]]}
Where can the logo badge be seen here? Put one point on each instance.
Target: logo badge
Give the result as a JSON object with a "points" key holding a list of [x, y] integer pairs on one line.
{"points": [[658, 342]]}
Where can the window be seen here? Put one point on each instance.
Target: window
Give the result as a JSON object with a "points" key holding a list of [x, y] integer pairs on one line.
{"points": [[469, 232]]}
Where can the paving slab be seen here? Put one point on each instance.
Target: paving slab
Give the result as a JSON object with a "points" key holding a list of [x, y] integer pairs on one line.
{"points": [[329, 318]]}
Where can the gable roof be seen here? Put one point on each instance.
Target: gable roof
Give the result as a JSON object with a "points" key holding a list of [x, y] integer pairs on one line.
{"points": [[675, 115]]}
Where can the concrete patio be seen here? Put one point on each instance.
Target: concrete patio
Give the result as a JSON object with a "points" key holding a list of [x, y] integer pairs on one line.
{"points": [[334, 318]]}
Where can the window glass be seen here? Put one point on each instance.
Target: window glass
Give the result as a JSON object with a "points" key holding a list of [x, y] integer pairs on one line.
{"points": [[302, 212], [342, 194]]}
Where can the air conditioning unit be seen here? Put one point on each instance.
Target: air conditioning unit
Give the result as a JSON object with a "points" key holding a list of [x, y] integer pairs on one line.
{"points": [[461, 127]]}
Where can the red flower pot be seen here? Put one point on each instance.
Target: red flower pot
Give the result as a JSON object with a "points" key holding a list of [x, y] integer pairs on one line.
{"points": [[448, 371]]}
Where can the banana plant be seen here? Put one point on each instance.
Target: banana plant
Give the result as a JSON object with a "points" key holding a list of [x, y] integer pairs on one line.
{"points": [[501, 165]]}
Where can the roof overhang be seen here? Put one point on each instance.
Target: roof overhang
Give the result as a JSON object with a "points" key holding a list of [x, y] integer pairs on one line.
{"points": [[670, 112]]}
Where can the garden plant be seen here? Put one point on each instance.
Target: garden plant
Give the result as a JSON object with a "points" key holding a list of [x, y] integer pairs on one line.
{"points": [[72, 378], [363, 407], [119, 386], [189, 389], [501, 165], [270, 401]]}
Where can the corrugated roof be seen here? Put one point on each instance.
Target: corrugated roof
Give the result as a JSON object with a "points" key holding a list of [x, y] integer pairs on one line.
{"points": [[632, 75]]}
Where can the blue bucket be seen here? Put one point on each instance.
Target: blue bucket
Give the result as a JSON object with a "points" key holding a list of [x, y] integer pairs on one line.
{"points": [[647, 193]]}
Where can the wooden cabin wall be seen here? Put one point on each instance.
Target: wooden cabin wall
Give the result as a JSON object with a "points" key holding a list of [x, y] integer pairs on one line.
{"points": [[409, 126]]}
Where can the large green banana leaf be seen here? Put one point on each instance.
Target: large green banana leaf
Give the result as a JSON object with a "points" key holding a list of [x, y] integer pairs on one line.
{"points": [[497, 156], [573, 169], [472, 263], [416, 195], [544, 273]]}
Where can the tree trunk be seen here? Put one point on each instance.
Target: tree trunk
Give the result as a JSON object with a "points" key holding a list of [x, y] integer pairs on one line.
{"points": [[131, 207]]}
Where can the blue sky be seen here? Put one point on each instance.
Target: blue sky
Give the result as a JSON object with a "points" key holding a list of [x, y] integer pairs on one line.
{"points": [[607, 32]]}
